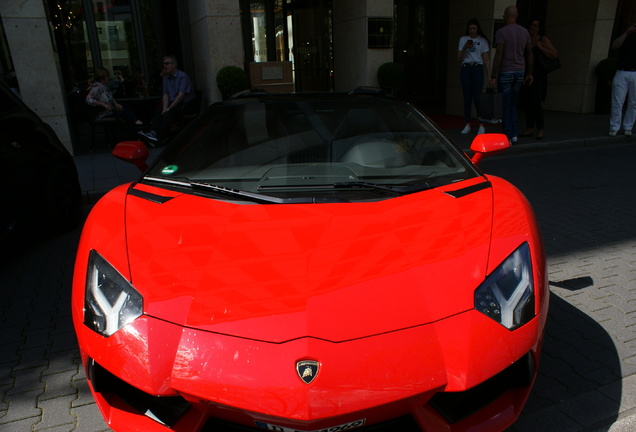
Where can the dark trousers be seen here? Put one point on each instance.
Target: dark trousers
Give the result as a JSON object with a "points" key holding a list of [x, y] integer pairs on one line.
{"points": [[532, 97], [509, 84], [472, 80], [161, 122], [126, 114]]}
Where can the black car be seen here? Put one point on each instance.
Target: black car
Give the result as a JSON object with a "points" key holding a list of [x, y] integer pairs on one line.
{"points": [[41, 193]]}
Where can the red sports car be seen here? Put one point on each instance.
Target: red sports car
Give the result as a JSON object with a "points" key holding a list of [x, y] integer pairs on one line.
{"points": [[311, 263]]}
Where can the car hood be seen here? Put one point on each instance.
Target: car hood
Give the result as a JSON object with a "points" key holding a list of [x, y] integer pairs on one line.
{"points": [[330, 271]]}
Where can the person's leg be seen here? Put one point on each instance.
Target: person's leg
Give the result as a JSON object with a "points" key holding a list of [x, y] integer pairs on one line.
{"points": [[538, 109], [477, 83], [156, 121], [127, 114], [538, 90], [167, 119], [630, 112], [478, 87], [526, 101], [517, 82], [465, 79], [619, 92], [504, 84], [155, 125]]}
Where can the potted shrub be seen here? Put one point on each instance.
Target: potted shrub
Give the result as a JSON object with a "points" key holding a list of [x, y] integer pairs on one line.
{"points": [[391, 76], [231, 80]]}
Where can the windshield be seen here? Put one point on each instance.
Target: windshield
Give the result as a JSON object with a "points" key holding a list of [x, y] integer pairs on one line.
{"points": [[340, 148]]}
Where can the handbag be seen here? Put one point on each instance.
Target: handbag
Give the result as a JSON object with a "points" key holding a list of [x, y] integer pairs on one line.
{"points": [[546, 63], [491, 107]]}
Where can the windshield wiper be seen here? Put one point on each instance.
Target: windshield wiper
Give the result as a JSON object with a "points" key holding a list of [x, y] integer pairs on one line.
{"points": [[394, 189], [184, 182]]}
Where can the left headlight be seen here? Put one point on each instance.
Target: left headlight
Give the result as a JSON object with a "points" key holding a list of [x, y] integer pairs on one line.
{"points": [[110, 302], [507, 295]]}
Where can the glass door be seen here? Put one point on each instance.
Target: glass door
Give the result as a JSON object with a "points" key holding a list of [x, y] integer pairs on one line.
{"points": [[116, 39], [309, 24]]}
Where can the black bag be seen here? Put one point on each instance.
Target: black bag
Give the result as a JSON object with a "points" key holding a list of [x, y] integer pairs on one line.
{"points": [[491, 109], [546, 63]]}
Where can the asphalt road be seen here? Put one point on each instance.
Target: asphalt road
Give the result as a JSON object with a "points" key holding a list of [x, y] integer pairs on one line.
{"points": [[584, 200]]}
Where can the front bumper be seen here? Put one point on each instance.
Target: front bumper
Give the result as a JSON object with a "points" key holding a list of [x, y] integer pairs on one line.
{"points": [[465, 372]]}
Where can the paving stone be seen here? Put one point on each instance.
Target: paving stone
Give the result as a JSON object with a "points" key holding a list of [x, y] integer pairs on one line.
{"points": [[62, 428], [591, 408], [547, 419], [89, 419], [22, 406], [23, 425], [59, 384], [36, 338], [4, 406], [56, 412], [63, 342], [84, 396], [26, 380], [10, 334], [32, 358]]}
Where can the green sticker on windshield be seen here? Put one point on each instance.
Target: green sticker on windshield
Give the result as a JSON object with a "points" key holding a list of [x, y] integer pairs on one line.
{"points": [[170, 169]]}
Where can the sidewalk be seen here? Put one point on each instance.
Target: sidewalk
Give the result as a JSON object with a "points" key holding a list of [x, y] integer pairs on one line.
{"points": [[100, 172], [562, 130]]}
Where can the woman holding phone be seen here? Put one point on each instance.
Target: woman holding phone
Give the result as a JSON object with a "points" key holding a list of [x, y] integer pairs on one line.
{"points": [[473, 55]]}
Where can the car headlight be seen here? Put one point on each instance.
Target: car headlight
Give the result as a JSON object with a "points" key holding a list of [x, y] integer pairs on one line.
{"points": [[110, 301], [507, 295]]}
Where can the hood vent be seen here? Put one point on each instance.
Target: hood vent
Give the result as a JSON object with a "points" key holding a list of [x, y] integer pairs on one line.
{"points": [[459, 193]]}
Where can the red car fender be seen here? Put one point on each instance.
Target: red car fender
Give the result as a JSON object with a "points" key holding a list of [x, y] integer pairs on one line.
{"points": [[107, 237], [513, 224]]}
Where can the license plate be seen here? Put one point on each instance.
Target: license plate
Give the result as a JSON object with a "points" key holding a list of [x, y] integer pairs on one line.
{"points": [[338, 428]]}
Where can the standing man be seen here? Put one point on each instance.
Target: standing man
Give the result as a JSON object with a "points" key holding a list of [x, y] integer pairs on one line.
{"points": [[624, 83], [177, 89], [512, 68]]}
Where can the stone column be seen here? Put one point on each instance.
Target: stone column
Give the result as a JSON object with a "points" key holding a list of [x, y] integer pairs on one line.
{"points": [[36, 63], [582, 35], [354, 63], [217, 41]]}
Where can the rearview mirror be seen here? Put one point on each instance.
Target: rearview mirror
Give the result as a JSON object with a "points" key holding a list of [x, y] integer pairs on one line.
{"points": [[134, 152], [488, 145]]}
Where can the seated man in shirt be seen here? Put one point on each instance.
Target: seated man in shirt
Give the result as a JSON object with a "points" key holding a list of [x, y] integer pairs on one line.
{"points": [[177, 89]]}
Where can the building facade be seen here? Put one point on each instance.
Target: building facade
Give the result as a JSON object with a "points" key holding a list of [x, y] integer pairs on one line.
{"points": [[327, 45]]}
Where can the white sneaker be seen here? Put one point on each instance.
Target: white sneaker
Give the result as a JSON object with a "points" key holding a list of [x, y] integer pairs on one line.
{"points": [[465, 130], [628, 132], [481, 130], [612, 133], [152, 136]]}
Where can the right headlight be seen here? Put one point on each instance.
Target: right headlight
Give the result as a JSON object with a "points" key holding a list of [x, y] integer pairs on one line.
{"points": [[507, 295], [110, 302]]}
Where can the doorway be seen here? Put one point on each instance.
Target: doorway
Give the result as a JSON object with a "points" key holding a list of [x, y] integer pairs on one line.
{"points": [[420, 45], [298, 31]]}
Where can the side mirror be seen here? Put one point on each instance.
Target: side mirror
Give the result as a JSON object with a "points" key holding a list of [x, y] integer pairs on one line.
{"points": [[134, 152], [488, 145]]}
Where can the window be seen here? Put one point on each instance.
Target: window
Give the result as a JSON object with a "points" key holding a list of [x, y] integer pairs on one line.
{"points": [[118, 35]]}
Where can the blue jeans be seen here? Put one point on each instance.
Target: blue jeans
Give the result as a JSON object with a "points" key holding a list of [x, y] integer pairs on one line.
{"points": [[623, 87], [510, 85], [472, 79]]}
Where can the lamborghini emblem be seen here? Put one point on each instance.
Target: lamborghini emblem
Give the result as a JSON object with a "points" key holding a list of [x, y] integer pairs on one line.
{"points": [[307, 370]]}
